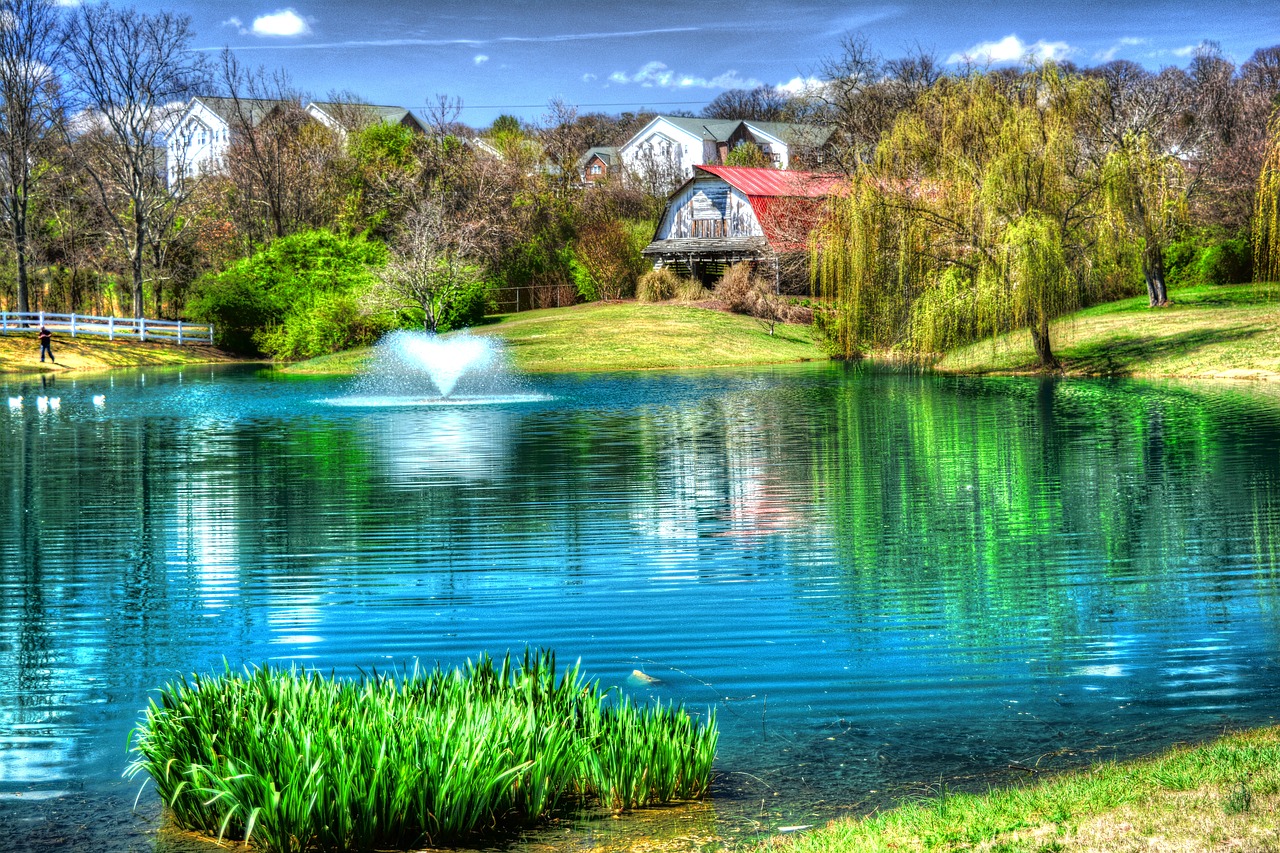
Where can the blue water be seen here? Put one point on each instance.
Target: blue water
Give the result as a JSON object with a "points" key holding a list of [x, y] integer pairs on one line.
{"points": [[882, 582]]}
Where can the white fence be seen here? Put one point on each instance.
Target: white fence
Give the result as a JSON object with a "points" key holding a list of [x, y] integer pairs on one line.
{"points": [[167, 331]]}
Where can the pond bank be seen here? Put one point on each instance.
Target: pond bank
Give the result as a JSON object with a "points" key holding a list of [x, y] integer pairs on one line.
{"points": [[20, 354], [1220, 795]]}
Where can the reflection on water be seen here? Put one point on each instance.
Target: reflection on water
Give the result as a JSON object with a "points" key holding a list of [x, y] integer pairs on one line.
{"points": [[878, 580]]}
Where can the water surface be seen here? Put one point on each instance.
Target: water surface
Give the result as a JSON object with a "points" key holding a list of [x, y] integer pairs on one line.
{"points": [[881, 582]]}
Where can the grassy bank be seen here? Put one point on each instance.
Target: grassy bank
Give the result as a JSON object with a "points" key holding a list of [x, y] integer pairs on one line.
{"points": [[1216, 332], [1219, 796], [20, 354], [623, 336], [299, 761]]}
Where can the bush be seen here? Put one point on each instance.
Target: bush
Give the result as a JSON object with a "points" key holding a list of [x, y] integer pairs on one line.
{"points": [[691, 290], [280, 285], [738, 287], [330, 323], [1227, 262], [657, 285]]}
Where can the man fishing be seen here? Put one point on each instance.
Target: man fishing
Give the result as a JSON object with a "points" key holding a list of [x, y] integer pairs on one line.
{"points": [[46, 344]]}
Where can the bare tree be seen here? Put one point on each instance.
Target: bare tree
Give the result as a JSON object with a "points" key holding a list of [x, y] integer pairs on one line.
{"points": [[431, 267], [278, 154], [763, 103], [132, 72], [31, 110]]}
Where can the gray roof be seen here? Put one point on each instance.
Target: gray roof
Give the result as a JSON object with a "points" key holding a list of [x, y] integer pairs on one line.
{"points": [[719, 130], [608, 154], [721, 248], [386, 113], [230, 109]]}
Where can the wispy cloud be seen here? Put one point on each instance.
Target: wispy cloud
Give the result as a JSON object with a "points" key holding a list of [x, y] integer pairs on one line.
{"points": [[480, 59], [1111, 52], [477, 42], [285, 23], [656, 75], [1011, 49], [801, 85]]}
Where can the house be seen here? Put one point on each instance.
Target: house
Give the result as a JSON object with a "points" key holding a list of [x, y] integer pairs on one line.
{"points": [[677, 144], [202, 135], [204, 131], [596, 165], [727, 214]]}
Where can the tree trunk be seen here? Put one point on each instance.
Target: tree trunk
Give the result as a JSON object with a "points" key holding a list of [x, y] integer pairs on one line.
{"points": [[1153, 271], [1040, 340]]}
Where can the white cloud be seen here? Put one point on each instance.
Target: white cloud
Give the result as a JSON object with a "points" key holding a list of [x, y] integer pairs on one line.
{"points": [[801, 85], [657, 75], [284, 23], [480, 59], [1011, 49], [1184, 52], [237, 25], [589, 78], [1110, 53]]}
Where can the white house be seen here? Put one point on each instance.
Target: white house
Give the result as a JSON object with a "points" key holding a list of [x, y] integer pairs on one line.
{"points": [[203, 132], [679, 143]]}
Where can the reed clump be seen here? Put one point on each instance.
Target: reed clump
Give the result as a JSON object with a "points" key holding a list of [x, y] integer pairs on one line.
{"points": [[294, 761]]}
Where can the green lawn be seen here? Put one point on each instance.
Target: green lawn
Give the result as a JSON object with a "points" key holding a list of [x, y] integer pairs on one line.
{"points": [[1219, 796], [1208, 332], [624, 336]]}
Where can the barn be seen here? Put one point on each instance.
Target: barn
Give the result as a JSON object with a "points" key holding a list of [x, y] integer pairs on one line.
{"points": [[728, 214]]}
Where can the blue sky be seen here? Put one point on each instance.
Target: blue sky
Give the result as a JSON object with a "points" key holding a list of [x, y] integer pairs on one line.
{"points": [[513, 55]]}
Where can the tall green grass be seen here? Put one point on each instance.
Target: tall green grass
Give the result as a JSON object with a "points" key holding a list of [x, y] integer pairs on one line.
{"points": [[295, 761]]}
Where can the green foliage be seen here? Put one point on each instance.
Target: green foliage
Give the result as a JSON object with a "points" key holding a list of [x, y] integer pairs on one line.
{"points": [[1226, 262], [273, 299], [606, 261], [747, 153], [978, 217], [334, 321], [505, 125], [1266, 211], [294, 761]]}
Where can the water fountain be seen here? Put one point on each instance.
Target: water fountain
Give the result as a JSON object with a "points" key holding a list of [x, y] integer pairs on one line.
{"points": [[412, 368]]}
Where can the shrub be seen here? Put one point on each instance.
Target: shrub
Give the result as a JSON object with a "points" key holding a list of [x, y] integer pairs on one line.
{"points": [[657, 285], [279, 285], [330, 323], [296, 761], [690, 290], [1227, 262], [738, 288]]}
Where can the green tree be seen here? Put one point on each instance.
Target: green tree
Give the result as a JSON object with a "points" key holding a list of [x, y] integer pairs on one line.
{"points": [[1266, 215], [296, 298], [747, 153], [980, 216]]}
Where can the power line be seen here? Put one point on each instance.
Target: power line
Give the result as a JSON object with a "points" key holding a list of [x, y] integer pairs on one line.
{"points": [[467, 106]]}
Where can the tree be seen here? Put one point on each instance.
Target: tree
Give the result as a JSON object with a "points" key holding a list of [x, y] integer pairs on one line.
{"points": [[129, 70], [30, 112], [279, 156], [1266, 218], [979, 217], [763, 103], [430, 271], [747, 153]]}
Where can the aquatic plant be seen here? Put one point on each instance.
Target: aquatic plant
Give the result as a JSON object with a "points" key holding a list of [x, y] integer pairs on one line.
{"points": [[296, 761]]}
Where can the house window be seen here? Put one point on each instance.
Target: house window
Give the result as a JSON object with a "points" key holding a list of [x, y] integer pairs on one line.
{"points": [[595, 169]]}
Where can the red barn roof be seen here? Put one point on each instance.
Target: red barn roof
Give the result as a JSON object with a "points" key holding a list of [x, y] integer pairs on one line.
{"points": [[788, 204]]}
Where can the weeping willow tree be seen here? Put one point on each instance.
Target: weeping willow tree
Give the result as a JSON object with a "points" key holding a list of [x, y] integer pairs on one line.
{"points": [[1266, 213], [979, 216], [1146, 198]]}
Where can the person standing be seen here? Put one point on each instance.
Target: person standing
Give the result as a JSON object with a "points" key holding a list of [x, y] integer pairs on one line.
{"points": [[46, 345]]}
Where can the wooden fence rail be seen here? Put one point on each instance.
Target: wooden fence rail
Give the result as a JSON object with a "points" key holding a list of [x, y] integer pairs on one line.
{"points": [[168, 331]]}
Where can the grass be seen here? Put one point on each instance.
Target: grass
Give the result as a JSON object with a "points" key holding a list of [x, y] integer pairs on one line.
{"points": [[20, 353], [1221, 795], [623, 336], [294, 761], [1218, 332]]}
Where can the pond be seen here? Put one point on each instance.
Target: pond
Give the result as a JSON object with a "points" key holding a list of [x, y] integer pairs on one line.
{"points": [[883, 582]]}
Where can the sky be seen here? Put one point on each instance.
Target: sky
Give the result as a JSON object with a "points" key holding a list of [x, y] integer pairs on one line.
{"points": [[513, 56]]}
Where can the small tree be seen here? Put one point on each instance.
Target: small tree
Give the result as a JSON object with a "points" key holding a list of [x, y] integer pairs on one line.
{"points": [[1266, 216], [430, 271], [747, 153]]}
